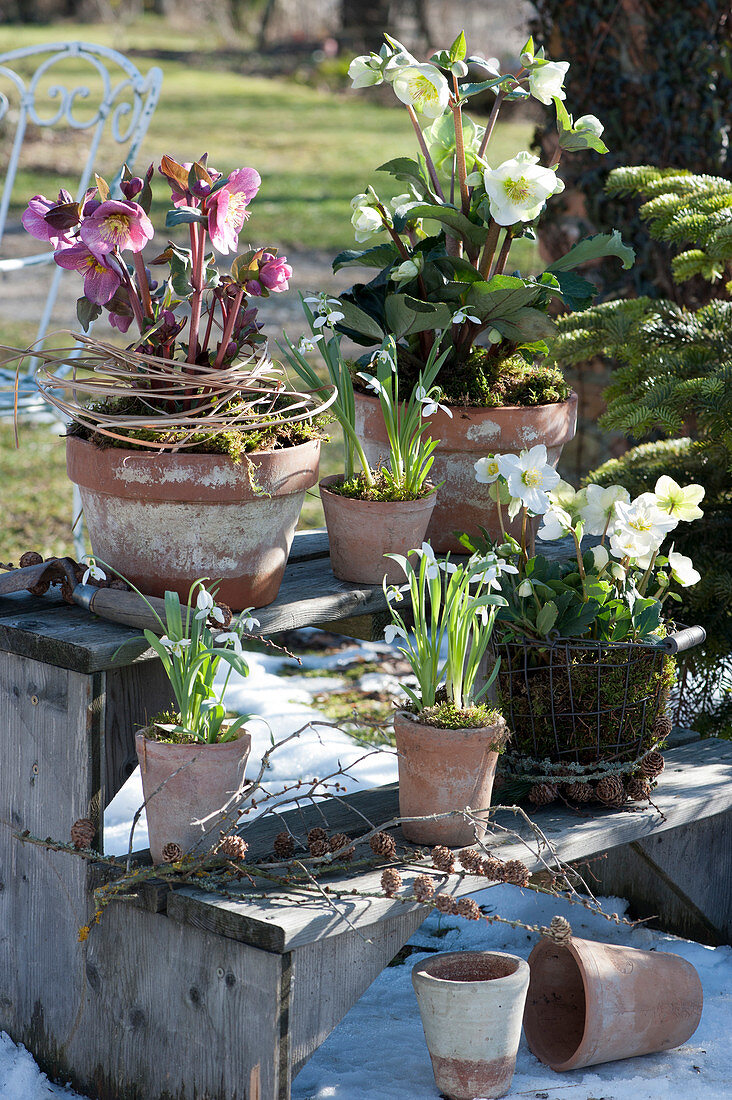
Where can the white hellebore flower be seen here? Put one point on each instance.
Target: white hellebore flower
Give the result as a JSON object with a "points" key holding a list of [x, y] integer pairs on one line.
{"points": [[643, 517], [597, 506], [530, 477], [365, 71], [393, 631], [487, 469], [563, 494], [424, 88], [682, 570], [601, 557], [591, 123], [545, 81], [627, 543], [93, 571], [366, 220], [462, 314], [557, 522], [429, 405], [407, 270], [398, 61], [518, 189], [680, 503]]}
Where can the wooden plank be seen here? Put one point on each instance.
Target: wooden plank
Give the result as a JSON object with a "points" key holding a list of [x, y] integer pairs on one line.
{"points": [[132, 696], [697, 784], [307, 545]]}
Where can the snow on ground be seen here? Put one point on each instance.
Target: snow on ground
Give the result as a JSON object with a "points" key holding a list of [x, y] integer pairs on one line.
{"points": [[378, 1052]]}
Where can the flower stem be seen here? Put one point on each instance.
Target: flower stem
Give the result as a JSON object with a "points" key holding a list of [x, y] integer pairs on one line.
{"points": [[143, 284], [197, 250], [580, 565], [229, 327], [489, 248], [457, 118], [500, 517], [646, 576], [132, 293], [425, 152], [491, 124], [503, 254]]}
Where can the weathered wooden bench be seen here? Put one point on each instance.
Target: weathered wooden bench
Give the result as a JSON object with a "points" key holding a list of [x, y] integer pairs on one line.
{"points": [[182, 995]]}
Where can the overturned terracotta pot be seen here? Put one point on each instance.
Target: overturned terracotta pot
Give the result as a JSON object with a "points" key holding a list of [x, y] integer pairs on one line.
{"points": [[183, 784], [464, 504], [443, 770], [597, 1002], [164, 520], [360, 532], [471, 1003]]}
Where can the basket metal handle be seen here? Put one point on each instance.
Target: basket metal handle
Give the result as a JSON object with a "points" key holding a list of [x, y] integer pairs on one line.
{"points": [[684, 639]]}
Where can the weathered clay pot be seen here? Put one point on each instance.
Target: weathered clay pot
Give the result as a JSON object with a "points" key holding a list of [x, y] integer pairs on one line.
{"points": [[360, 532], [472, 433], [471, 1003], [443, 770], [165, 520], [208, 777], [595, 1002]]}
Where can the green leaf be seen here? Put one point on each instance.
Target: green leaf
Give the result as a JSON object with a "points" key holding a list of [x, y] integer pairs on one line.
{"points": [[474, 88], [547, 617], [407, 316], [355, 318], [181, 216], [381, 255], [573, 140], [408, 170], [595, 248], [453, 219], [525, 324], [87, 312], [458, 48], [577, 292]]}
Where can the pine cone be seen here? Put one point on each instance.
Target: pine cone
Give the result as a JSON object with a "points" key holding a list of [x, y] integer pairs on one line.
{"points": [[443, 859], [234, 847], [611, 791], [541, 794], [318, 842], [383, 844], [316, 834], [341, 844], [284, 846], [423, 888], [652, 764], [515, 873], [172, 852], [391, 880], [445, 904], [227, 613], [578, 792], [469, 909], [83, 831], [559, 930], [31, 557], [492, 868], [638, 788], [662, 727], [471, 860]]}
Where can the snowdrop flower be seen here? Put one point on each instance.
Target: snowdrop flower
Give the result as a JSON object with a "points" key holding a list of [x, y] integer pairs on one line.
{"points": [[393, 631], [308, 343], [601, 557], [591, 123], [94, 572], [394, 594], [448, 567], [246, 621], [323, 310], [462, 314], [429, 405], [407, 270], [433, 566], [424, 88], [366, 219], [682, 570], [546, 80], [176, 648], [230, 637], [596, 506], [557, 522], [365, 71], [645, 518], [518, 189], [487, 470], [373, 384], [205, 603], [530, 477], [680, 503], [525, 589]]}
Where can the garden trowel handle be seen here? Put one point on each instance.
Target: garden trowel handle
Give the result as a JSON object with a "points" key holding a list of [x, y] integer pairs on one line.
{"points": [[684, 639], [121, 607]]}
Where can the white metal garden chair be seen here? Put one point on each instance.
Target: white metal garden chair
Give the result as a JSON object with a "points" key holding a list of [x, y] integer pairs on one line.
{"points": [[113, 104]]}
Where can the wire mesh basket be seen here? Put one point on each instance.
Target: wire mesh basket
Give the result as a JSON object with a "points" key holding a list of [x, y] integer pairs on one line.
{"points": [[576, 701]]}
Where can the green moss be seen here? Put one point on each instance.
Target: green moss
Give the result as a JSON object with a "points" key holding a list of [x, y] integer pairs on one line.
{"points": [[382, 490], [447, 716]]}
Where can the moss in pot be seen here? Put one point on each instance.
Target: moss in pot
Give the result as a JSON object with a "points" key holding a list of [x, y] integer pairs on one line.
{"points": [[448, 738]]}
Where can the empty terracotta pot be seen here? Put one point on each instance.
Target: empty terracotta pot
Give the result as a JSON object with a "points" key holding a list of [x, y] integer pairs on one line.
{"points": [[165, 520], [596, 1002], [471, 1004], [442, 770], [360, 532], [464, 504], [207, 777]]}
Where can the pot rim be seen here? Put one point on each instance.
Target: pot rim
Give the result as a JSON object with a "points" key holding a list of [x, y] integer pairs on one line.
{"points": [[519, 975], [166, 745], [499, 727], [495, 409], [129, 452], [325, 483]]}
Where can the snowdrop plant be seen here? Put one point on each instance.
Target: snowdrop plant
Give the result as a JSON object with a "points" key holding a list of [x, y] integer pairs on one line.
{"points": [[454, 603], [441, 249], [613, 591]]}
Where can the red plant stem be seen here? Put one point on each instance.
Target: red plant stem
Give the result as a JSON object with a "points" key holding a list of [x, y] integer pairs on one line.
{"points": [[229, 327], [503, 254], [491, 124], [209, 325], [425, 152], [457, 118], [489, 248], [197, 249], [143, 284], [131, 292]]}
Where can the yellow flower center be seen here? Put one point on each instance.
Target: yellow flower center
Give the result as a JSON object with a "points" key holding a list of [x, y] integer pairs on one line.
{"points": [[492, 467], [641, 523], [531, 478], [517, 190], [420, 88], [236, 211], [117, 227], [94, 264]]}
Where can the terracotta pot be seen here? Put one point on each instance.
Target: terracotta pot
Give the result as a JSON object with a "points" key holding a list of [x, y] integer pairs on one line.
{"points": [[208, 777], [165, 520], [360, 532], [471, 1003], [442, 770], [464, 504], [594, 1002]]}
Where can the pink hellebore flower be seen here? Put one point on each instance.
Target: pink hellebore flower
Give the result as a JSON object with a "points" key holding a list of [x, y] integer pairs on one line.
{"points": [[274, 272], [117, 223], [100, 281], [119, 320], [227, 208], [34, 221]]}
